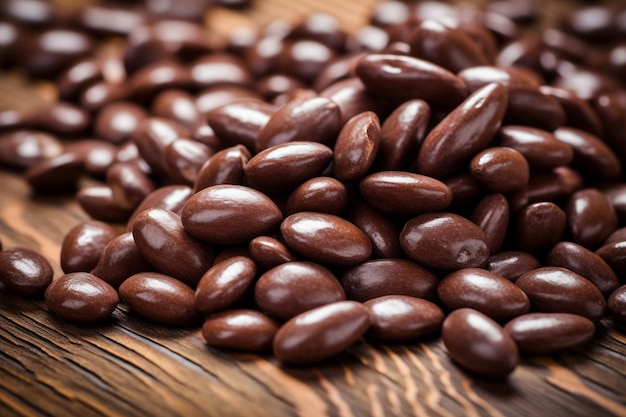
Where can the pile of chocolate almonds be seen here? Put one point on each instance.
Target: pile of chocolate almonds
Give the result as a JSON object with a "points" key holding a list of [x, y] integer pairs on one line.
{"points": [[443, 169]]}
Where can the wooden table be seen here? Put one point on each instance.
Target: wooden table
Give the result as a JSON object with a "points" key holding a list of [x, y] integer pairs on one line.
{"points": [[127, 367]]}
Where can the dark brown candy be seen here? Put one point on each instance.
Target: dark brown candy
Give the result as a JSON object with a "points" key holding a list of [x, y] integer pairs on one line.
{"points": [[278, 292], [177, 105], [229, 214], [591, 155], [283, 167], [540, 227], [59, 173], [352, 98], [169, 197], [98, 203], [578, 113], [214, 97], [546, 333], [445, 46], [500, 169], [400, 318], [401, 134], [444, 241], [356, 147], [62, 118], [184, 158], [587, 84], [83, 245], [464, 132], [240, 122], [559, 290], [224, 167], [147, 82], [109, 20], [402, 78], [161, 239], [325, 238], [303, 59], [530, 107], [152, 136], [78, 77], [128, 184], [22, 149], [586, 263], [322, 194], [224, 283], [616, 304], [590, 217], [383, 277], [479, 344], [512, 264], [322, 27], [554, 185], [96, 155], [25, 272], [405, 194], [219, 69], [484, 291], [160, 299], [51, 51], [81, 297], [314, 119], [119, 260], [541, 149], [268, 252], [240, 330], [382, 231], [492, 215], [321, 333]]}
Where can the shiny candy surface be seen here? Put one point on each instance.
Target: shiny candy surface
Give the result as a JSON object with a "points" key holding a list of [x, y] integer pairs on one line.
{"points": [[81, 297], [321, 333], [479, 344]]}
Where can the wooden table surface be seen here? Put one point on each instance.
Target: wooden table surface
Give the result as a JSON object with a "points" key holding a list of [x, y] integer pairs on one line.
{"points": [[127, 367]]}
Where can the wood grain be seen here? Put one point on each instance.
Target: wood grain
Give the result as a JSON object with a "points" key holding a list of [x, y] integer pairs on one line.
{"points": [[127, 367]]}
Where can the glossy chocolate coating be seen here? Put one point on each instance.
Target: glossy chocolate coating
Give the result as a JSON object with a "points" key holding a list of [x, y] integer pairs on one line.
{"points": [[280, 291], [283, 167], [322, 194], [161, 239], [224, 284], [616, 304], [356, 147], [546, 333], [325, 238], [402, 78], [25, 272], [405, 194], [83, 245], [479, 344], [400, 318], [463, 133], [22, 149], [321, 333], [484, 291], [590, 217], [119, 260], [512, 264], [81, 297], [444, 241], [381, 277], [160, 299], [240, 330], [315, 119], [492, 215], [228, 214], [584, 262], [559, 290]]}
